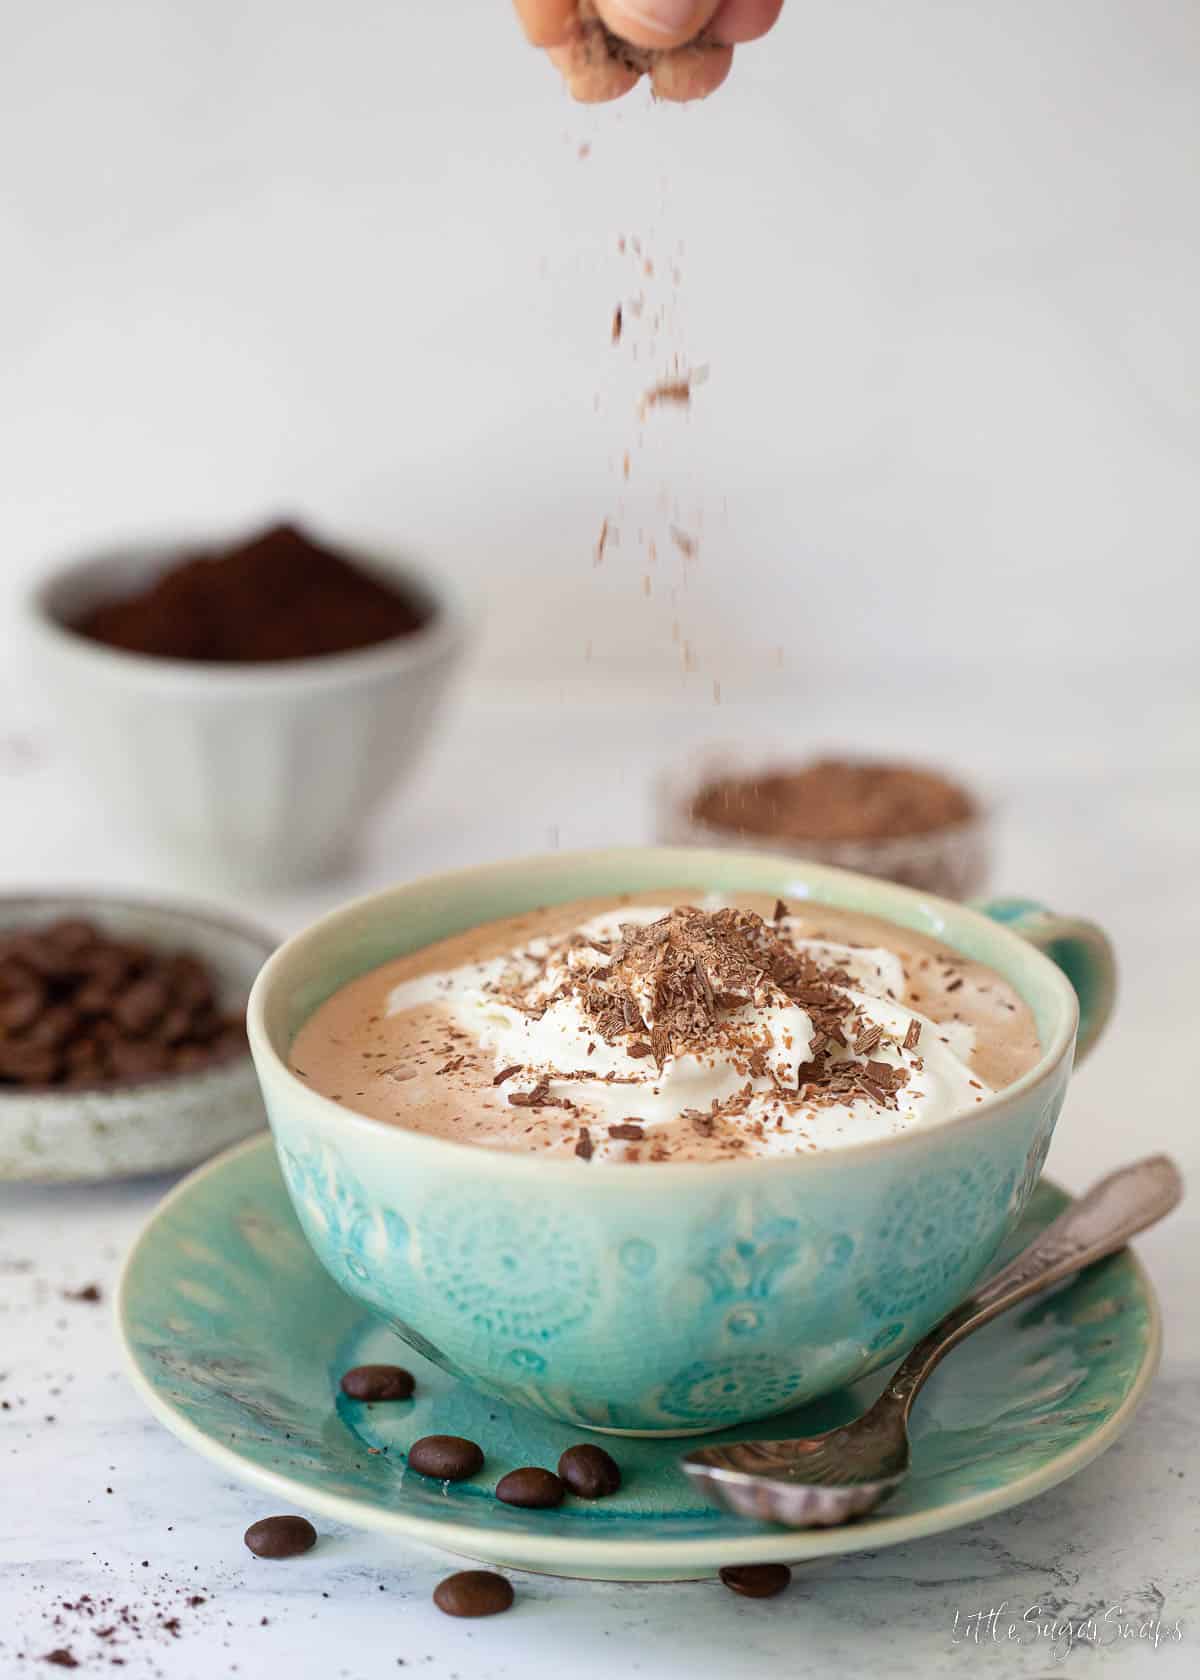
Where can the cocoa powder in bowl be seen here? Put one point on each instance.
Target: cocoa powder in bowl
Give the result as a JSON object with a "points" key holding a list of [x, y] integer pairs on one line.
{"points": [[278, 596], [834, 800]]}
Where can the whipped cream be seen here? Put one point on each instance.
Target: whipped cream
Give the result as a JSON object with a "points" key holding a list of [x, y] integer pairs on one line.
{"points": [[707, 1027]]}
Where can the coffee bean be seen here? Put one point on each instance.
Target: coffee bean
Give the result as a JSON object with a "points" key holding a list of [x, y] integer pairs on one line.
{"points": [[473, 1592], [281, 1537], [757, 1580], [589, 1472], [378, 1382], [38, 954], [19, 1009], [447, 1458], [26, 1065], [52, 1028], [534, 1488], [71, 935], [189, 982], [175, 1025], [142, 1006], [106, 967]]}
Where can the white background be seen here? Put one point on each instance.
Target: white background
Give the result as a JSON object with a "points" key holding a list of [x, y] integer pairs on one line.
{"points": [[941, 258], [942, 261]]}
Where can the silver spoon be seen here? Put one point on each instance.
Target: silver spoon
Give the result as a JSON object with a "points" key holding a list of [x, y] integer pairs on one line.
{"points": [[820, 1481]]}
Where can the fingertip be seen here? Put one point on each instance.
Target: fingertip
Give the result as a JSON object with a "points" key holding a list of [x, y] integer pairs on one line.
{"points": [[592, 82], [691, 73], [738, 21]]}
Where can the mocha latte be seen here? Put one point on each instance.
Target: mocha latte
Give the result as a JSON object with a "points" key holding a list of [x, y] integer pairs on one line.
{"points": [[654, 1029]]}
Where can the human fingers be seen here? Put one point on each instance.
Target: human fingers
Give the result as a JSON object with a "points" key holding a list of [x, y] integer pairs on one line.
{"points": [[592, 77], [691, 72]]}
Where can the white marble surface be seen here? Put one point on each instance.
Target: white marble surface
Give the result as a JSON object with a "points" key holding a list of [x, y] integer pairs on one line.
{"points": [[1101, 821]]}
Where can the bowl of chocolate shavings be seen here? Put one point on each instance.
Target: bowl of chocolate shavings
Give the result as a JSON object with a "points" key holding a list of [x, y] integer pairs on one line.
{"points": [[122, 1036]]}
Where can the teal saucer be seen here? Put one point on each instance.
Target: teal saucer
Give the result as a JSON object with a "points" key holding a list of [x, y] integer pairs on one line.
{"points": [[237, 1339]]}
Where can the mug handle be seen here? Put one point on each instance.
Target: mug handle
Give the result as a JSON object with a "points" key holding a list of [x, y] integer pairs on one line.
{"points": [[1080, 948]]}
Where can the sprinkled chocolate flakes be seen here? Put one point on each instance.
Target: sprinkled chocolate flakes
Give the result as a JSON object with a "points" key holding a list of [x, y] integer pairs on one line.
{"points": [[537, 1098]]}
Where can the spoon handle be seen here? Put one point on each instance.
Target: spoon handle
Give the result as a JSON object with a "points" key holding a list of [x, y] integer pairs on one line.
{"points": [[1097, 1224]]}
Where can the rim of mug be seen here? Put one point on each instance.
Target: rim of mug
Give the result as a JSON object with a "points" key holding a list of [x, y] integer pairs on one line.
{"points": [[334, 1117], [448, 630]]}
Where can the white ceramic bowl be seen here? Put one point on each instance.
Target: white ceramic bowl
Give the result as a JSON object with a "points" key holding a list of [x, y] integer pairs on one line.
{"points": [[242, 773], [160, 1124]]}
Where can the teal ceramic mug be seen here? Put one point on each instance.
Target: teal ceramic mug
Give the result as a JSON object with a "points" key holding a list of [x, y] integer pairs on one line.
{"points": [[678, 1298]]}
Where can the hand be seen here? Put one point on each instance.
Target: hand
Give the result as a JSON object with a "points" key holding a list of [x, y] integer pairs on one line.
{"points": [[605, 47]]}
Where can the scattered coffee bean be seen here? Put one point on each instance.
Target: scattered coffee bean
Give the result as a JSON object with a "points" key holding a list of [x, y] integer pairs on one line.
{"points": [[757, 1580], [534, 1488], [281, 1537], [446, 1458], [473, 1592], [378, 1382], [589, 1471]]}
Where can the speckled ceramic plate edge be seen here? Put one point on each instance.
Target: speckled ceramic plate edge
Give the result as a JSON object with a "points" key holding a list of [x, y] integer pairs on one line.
{"points": [[624, 1558]]}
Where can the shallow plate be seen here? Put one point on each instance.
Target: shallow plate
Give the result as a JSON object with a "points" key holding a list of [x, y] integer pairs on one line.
{"points": [[237, 1339]]}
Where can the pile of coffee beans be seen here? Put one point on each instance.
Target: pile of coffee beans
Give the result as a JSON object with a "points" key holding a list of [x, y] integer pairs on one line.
{"points": [[80, 1009]]}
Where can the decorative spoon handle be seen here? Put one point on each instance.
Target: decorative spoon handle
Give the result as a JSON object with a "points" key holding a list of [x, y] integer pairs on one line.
{"points": [[1097, 1224]]}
